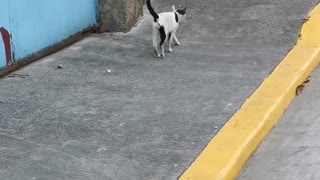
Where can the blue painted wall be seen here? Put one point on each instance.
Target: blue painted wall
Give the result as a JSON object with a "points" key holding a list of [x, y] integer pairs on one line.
{"points": [[38, 24], [4, 22]]}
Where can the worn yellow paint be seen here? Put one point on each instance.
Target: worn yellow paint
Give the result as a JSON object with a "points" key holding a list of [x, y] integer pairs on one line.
{"points": [[227, 152]]}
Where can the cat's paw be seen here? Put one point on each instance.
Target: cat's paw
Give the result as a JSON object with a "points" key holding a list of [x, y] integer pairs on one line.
{"points": [[156, 52], [169, 50], [177, 44], [162, 56]]}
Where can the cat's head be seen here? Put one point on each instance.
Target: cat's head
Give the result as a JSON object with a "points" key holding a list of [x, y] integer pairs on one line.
{"points": [[182, 13]]}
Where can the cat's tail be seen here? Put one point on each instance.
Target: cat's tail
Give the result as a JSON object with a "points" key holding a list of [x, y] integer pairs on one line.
{"points": [[152, 12]]}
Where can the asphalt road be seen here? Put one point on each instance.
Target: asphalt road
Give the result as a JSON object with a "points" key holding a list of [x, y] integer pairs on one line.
{"points": [[115, 112]]}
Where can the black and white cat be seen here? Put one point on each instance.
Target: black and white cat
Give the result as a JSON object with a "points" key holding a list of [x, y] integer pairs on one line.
{"points": [[165, 26]]}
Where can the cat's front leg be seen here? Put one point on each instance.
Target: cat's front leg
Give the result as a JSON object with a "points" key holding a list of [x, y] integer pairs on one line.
{"points": [[176, 42], [170, 43]]}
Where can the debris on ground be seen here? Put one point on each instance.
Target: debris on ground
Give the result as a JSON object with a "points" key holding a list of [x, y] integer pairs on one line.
{"points": [[299, 90], [16, 75]]}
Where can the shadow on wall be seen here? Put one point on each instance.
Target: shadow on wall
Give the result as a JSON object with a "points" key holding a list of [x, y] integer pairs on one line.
{"points": [[7, 44]]}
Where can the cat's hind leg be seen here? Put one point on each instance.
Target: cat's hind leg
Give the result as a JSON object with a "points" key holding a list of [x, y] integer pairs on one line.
{"points": [[156, 52], [156, 44], [163, 37], [162, 52]]}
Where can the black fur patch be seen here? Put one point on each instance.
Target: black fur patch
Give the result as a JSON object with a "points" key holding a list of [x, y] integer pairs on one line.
{"points": [[162, 35], [183, 11], [177, 18]]}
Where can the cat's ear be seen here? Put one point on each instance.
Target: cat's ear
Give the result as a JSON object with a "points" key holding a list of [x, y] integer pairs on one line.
{"points": [[185, 9], [182, 11], [174, 8]]}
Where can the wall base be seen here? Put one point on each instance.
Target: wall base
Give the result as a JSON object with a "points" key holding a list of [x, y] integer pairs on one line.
{"points": [[45, 52]]}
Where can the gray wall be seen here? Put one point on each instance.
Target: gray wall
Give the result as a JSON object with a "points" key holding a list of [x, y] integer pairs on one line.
{"points": [[119, 15]]}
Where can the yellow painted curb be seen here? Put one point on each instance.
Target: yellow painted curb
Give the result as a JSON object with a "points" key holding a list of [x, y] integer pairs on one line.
{"points": [[228, 151]]}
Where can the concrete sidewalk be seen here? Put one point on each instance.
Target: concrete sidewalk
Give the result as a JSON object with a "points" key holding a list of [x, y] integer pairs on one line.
{"points": [[115, 112], [291, 150]]}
